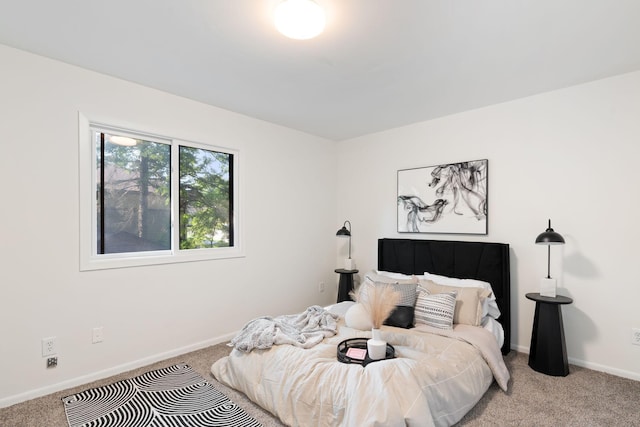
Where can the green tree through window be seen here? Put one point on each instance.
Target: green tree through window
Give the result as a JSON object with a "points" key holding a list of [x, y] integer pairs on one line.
{"points": [[134, 197], [205, 198]]}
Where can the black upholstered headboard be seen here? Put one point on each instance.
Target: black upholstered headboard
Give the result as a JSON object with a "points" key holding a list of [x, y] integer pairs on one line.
{"points": [[464, 260]]}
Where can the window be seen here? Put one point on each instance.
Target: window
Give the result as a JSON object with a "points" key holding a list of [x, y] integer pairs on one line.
{"points": [[206, 199], [154, 199], [133, 188]]}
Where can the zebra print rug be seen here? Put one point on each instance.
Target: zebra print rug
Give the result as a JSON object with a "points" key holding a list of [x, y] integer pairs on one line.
{"points": [[173, 396]]}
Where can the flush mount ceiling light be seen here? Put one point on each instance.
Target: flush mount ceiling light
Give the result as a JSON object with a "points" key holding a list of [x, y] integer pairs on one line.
{"points": [[299, 19]]}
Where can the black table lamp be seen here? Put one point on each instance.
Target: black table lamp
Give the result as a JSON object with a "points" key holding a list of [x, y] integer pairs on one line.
{"points": [[346, 232], [549, 237]]}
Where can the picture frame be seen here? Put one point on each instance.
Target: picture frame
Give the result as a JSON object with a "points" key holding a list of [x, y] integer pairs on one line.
{"points": [[450, 198]]}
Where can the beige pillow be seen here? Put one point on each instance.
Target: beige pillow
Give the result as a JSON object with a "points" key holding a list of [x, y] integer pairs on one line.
{"points": [[468, 301]]}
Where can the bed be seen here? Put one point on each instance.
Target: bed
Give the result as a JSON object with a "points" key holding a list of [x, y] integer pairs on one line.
{"points": [[437, 376]]}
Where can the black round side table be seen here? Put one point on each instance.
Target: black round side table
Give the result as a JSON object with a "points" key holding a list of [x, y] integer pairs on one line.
{"points": [[345, 285], [548, 352]]}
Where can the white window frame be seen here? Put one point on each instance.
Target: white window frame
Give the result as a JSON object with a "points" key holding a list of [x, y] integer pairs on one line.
{"points": [[89, 257]]}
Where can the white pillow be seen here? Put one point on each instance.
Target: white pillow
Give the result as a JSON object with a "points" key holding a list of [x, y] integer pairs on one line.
{"points": [[398, 276], [340, 308], [489, 306], [357, 317]]}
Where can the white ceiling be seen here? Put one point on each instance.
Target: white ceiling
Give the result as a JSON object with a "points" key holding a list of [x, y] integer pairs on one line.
{"points": [[379, 64]]}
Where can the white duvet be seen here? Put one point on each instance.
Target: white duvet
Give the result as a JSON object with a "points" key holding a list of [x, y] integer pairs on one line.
{"points": [[434, 379]]}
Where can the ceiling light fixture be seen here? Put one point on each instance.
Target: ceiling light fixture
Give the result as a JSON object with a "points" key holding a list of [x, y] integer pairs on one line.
{"points": [[299, 19]]}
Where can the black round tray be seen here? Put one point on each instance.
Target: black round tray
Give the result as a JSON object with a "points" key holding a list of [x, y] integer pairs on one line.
{"points": [[361, 343]]}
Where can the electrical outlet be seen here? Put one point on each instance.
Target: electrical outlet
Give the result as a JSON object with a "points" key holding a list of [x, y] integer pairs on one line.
{"points": [[97, 335], [321, 287], [52, 362], [635, 336], [48, 346]]}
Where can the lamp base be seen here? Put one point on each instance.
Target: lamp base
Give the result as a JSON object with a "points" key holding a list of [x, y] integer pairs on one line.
{"points": [[548, 287], [349, 264]]}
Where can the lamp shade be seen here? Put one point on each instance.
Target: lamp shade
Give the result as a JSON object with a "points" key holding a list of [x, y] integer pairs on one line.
{"points": [[549, 237], [343, 232]]}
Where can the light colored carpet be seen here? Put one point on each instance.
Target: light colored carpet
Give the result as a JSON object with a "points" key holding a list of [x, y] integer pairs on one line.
{"points": [[583, 398]]}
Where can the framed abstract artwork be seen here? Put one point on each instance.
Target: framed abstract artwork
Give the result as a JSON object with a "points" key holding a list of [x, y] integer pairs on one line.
{"points": [[449, 198]]}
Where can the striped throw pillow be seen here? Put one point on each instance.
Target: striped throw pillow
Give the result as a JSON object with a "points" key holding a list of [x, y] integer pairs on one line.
{"points": [[435, 310]]}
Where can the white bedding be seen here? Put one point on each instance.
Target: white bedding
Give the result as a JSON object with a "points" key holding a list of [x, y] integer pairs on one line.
{"points": [[434, 379]]}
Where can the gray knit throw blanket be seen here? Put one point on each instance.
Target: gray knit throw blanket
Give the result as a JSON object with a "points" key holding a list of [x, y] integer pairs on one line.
{"points": [[302, 330]]}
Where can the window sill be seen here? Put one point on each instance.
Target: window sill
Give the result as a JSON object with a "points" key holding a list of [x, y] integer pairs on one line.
{"points": [[104, 262]]}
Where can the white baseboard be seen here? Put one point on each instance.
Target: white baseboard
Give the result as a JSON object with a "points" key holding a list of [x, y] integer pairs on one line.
{"points": [[84, 379], [590, 365], [608, 369]]}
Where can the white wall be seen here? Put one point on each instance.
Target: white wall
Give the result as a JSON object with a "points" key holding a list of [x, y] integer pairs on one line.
{"points": [[571, 155], [288, 190]]}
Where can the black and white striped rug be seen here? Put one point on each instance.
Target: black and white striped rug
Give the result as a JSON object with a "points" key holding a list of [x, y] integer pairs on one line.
{"points": [[173, 396]]}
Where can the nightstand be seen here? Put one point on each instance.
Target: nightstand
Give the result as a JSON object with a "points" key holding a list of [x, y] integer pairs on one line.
{"points": [[548, 352], [345, 285]]}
